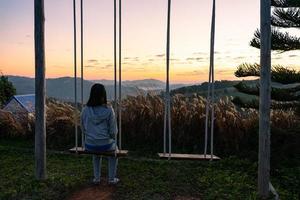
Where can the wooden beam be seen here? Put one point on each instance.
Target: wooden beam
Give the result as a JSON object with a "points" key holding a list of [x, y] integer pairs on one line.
{"points": [[176, 156], [264, 101], [80, 150], [40, 126]]}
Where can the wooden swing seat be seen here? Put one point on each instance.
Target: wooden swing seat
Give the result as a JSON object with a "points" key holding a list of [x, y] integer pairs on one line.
{"points": [[176, 156], [80, 150]]}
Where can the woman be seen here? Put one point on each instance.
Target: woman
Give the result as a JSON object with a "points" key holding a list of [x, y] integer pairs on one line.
{"points": [[99, 125]]}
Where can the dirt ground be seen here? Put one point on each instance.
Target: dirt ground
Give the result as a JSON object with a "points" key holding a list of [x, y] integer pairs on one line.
{"points": [[105, 192], [99, 192]]}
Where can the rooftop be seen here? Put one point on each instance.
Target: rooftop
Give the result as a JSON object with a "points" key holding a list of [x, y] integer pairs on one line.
{"points": [[27, 101]]}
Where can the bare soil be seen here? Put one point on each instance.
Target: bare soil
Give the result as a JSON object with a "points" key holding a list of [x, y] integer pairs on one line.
{"points": [[99, 192]]}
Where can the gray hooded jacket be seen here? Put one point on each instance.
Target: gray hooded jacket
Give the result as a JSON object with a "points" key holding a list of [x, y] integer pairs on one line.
{"points": [[99, 125]]}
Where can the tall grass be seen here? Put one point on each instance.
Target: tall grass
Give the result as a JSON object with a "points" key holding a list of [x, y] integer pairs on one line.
{"points": [[236, 129]]}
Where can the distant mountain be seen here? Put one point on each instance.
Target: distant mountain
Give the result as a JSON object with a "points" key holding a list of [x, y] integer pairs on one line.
{"points": [[222, 88], [226, 88], [145, 84], [63, 88], [104, 81]]}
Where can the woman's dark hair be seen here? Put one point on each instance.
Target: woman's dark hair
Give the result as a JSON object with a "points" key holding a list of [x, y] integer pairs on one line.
{"points": [[97, 96]]}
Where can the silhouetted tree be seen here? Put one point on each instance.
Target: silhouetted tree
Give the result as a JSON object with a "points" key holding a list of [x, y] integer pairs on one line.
{"points": [[286, 14], [7, 90]]}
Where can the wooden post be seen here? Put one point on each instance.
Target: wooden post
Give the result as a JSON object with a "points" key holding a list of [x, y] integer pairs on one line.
{"points": [[40, 126], [265, 101]]}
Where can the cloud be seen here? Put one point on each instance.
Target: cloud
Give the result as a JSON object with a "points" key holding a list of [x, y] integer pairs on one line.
{"points": [[224, 72], [200, 53], [190, 73], [93, 61], [132, 58], [135, 69], [127, 63], [194, 58], [292, 56], [204, 72], [160, 55], [108, 66], [28, 36], [241, 57], [183, 63]]}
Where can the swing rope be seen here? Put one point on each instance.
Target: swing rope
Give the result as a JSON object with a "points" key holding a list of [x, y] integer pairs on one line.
{"points": [[75, 70], [115, 54], [167, 115], [117, 102], [115, 66], [120, 75], [75, 76], [211, 89], [82, 63]]}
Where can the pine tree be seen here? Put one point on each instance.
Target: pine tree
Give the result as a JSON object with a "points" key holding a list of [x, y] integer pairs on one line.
{"points": [[286, 14]]}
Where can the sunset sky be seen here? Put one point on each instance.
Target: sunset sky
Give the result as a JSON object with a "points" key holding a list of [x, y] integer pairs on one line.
{"points": [[144, 38]]}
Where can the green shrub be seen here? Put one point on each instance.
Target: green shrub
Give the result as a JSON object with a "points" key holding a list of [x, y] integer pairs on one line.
{"points": [[7, 90]]}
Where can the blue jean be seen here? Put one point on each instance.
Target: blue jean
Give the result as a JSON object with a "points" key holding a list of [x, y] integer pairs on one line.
{"points": [[112, 162]]}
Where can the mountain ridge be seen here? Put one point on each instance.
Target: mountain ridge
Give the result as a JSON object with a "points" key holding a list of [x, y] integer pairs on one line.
{"points": [[63, 87]]}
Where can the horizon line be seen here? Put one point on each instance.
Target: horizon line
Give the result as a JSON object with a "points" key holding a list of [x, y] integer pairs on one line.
{"points": [[174, 82]]}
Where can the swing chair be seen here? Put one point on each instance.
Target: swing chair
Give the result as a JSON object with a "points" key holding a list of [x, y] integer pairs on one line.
{"points": [[209, 105], [117, 102]]}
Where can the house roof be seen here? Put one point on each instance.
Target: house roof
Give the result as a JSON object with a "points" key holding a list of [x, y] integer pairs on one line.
{"points": [[26, 101]]}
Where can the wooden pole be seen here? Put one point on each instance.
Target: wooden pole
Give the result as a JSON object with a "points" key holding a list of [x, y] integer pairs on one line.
{"points": [[40, 124], [265, 101]]}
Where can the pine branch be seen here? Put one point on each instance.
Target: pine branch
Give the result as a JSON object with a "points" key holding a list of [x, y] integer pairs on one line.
{"points": [[285, 3], [280, 41], [284, 75], [277, 94], [246, 69], [244, 88], [286, 18], [279, 73], [254, 103], [238, 101]]}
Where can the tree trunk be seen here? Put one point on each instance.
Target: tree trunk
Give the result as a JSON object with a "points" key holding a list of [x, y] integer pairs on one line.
{"points": [[40, 130], [265, 101]]}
